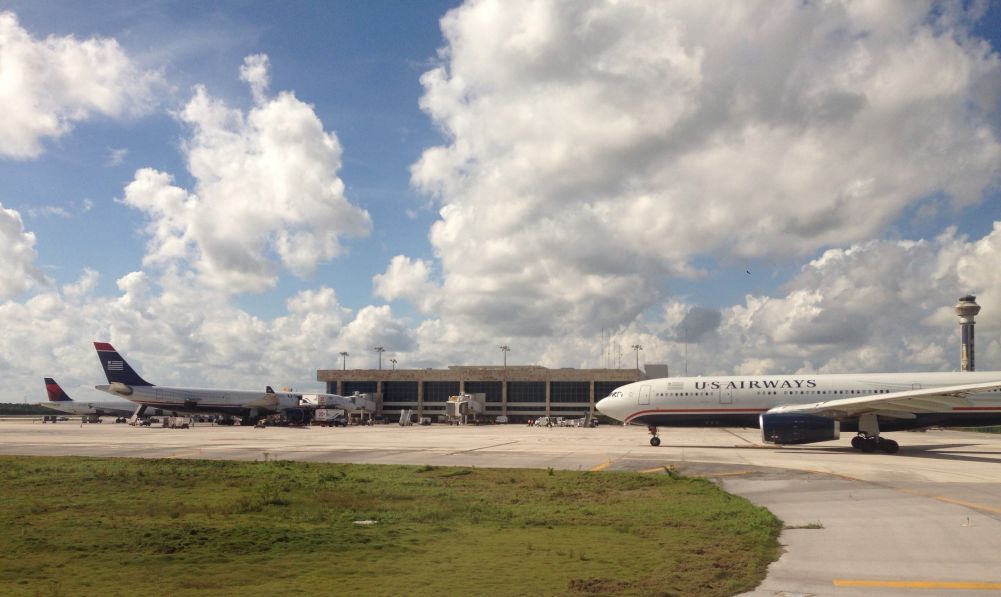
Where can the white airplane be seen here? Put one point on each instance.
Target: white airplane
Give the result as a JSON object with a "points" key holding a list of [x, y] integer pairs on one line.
{"points": [[60, 401], [802, 409], [248, 405]]}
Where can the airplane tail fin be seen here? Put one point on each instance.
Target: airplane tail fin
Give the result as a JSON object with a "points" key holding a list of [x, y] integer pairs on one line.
{"points": [[116, 368], [56, 393]]}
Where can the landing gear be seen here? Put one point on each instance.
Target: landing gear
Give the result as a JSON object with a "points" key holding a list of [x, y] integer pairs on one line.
{"points": [[654, 441], [868, 439], [872, 444]]}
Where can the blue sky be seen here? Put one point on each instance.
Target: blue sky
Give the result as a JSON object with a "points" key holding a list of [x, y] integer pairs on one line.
{"points": [[534, 174]]}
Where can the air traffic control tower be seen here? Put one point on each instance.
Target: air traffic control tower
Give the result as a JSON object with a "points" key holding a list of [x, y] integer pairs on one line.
{"points": [[967, 308]]}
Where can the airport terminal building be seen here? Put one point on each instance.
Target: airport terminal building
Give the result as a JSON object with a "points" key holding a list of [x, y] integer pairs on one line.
{"points": [[519, 393]]}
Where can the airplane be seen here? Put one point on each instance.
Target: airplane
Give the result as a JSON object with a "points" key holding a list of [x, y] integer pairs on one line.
{"points": [[803, 409], [247, 404], [60, 401]]}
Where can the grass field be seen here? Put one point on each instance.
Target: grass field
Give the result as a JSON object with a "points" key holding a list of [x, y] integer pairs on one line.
{"points": [[75, 526], [995, 429]]}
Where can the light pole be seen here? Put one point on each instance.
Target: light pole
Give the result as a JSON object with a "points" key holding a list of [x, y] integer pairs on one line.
{"points": [[344, 361], [393, 361], [504, 350], [637, 348], [379, 350]]}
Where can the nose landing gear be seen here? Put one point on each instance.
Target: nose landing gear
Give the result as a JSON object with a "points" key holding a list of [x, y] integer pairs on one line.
{"points": [[654, 441]]}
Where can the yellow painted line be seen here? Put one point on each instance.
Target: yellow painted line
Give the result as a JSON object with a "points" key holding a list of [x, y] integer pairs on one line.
{"points": [[602, 466], [659, 469], [919, 584], [949, 500], [941, 498]]}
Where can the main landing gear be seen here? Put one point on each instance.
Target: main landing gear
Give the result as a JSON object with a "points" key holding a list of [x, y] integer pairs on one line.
{"points": [[871, 444], [868, 439], [654, 441]]}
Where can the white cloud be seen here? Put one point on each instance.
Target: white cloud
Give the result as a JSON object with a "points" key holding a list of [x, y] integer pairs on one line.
{"points": [[48, 210], [875, 306], [177, 331], [409, 279], [266, 191], [46, 86], [597, 149], [255, 72], [17, 254], [116, 156]]}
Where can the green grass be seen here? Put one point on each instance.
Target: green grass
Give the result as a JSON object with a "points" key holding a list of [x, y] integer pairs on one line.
{"points": [[994, 429], [73, 526]]}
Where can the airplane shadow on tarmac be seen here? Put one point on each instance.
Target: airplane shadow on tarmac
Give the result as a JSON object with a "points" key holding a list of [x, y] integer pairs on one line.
{"points": [[931, 451]]}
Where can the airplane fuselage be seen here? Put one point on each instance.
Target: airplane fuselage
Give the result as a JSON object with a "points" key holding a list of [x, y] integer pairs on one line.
{"points": [[118, 408], [739, 401], [200, 400]]}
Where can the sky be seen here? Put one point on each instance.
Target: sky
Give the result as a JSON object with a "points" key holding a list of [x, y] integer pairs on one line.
{"points": [[234, 194]]}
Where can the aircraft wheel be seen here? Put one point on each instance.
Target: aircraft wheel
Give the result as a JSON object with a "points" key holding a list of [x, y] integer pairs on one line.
{"points": [[655, 441], [857, 442], [868, 445], [889, 446]]}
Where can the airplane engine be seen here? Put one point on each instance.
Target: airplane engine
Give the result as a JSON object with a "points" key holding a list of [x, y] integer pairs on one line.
{"points": [[792, 428], [120, 388]]}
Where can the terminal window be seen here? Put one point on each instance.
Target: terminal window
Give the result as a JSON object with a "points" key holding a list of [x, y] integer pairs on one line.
{"points": [[399, 391], [491, 388], [570, 391], [526, 391], [362, 387], [439, 391]]}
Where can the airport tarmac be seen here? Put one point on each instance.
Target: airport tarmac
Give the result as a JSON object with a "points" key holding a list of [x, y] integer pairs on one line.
{"points": [[926, 521]]}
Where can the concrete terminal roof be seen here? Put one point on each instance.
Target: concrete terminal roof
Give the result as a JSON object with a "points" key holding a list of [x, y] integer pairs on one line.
{"points": [[480, 373]]}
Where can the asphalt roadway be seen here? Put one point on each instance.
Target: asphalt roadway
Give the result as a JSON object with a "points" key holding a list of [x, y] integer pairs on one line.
{"points": [[926, 521]]}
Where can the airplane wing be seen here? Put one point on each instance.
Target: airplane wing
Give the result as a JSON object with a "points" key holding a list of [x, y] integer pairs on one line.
{"points": [[905, 404]]}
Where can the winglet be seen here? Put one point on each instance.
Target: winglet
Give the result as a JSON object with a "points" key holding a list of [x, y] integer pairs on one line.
{"points": [[56, 393], [117, 368]]}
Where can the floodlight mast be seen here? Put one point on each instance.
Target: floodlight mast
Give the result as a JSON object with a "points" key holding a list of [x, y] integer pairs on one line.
{"points": [[637, 348], [344, 361], [379, 350], [504, 350]]}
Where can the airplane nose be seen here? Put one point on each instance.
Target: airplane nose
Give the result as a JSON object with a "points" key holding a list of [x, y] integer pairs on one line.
{"points": [[603, 404]]}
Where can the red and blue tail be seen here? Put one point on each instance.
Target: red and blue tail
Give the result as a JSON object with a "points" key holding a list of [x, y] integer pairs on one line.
{"points": [[116, 368], [56, 393]]}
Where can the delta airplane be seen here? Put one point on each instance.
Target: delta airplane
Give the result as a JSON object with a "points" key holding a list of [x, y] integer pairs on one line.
{"points": [[60, 401], [248, 405], [803, 409]]}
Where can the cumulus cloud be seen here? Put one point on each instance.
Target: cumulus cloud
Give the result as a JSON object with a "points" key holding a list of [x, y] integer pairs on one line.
{"points": [[255, 72], [17, 253], [179, 332], [409, 279], [266, 192], [874, 306], [596, 149], [48, 85]]}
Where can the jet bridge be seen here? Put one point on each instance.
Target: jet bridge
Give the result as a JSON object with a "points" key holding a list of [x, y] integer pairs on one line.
{"points": [[464, 409]]}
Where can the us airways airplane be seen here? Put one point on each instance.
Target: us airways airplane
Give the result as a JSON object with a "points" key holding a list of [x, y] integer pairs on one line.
{"points": [[248, 405], [802, 409], [60, 401]]}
